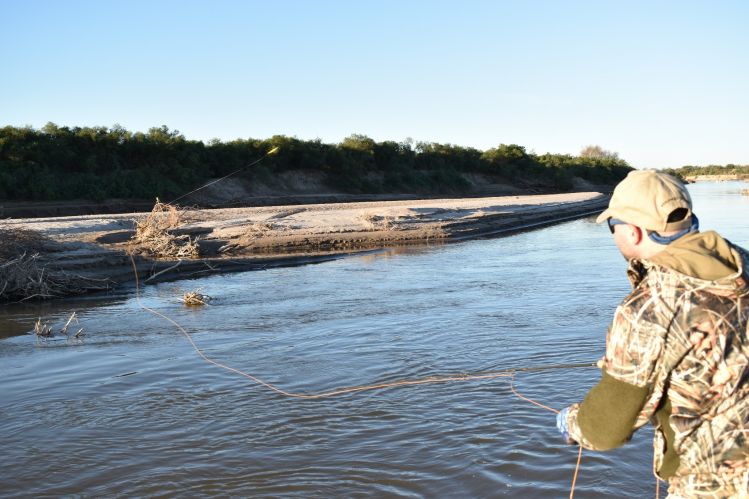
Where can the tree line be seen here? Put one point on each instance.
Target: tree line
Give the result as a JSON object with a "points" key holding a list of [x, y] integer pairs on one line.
{"points": [[97, 163], [690, 170]]}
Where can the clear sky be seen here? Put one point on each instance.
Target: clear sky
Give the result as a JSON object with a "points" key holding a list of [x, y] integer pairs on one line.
{"points": [[663, 83]]}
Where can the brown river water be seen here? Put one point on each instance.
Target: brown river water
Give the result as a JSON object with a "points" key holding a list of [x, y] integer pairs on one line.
{"points": [[132, 410]]}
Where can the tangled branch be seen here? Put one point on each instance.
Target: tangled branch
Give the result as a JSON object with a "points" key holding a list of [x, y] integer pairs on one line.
{"points": [[154, 234]]}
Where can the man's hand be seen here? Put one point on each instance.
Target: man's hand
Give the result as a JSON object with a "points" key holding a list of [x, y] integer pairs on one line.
{"points": [[562, 425]]}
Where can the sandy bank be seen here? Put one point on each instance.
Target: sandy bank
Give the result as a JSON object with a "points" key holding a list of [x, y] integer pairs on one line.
{"points": [[232, 239], [717, 178]]}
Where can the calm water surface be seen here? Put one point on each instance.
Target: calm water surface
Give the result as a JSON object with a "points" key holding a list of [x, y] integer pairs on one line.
{"points": [[133, 411]]}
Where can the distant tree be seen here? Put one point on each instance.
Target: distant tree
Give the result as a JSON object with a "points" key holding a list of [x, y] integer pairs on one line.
{"points": [[597, 152], [164, 135], [407, 144], [119, 134], [359, 142], [50, 128], [507, 160], [511, 153]]}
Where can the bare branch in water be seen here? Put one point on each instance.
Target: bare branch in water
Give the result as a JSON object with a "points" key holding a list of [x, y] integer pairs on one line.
{"points": [[195, 298]]}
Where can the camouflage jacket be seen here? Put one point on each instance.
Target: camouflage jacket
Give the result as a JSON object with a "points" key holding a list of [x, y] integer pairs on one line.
{"points": [[678, 346]]}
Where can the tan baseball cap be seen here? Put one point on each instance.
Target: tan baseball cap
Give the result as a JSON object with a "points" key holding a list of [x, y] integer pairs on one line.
{"points": [[646, 198]]}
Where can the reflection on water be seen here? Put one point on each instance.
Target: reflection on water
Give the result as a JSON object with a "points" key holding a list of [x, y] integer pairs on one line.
{"points": [[134, 411]]}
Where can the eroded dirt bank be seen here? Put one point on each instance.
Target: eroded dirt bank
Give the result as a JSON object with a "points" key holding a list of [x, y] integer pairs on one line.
{"points": [[97, 247]]}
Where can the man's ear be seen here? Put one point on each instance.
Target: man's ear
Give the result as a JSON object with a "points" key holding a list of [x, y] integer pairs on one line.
{"points": [[637, 234]]}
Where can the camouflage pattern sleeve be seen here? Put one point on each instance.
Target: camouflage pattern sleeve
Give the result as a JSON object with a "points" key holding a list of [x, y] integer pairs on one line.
{"points": [[636, 338], [606, 418], [625, 398]]}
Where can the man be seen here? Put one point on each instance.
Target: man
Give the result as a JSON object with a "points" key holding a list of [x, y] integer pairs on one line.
{"points": [[677, 352]]}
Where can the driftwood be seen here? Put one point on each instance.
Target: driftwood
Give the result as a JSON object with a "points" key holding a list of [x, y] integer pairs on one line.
{"points": [[25, 274], [14, 241], [195, 298], [26, 277], [154, 234]]}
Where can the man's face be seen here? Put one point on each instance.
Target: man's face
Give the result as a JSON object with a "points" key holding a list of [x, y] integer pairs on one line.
{"points": [[625, 237]]}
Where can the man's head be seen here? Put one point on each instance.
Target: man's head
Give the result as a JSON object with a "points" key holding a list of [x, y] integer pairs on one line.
{"points": [[646, 208], [651, 200]]}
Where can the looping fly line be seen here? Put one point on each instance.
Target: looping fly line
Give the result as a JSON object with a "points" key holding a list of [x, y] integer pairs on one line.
{"points": [[508, 373]]}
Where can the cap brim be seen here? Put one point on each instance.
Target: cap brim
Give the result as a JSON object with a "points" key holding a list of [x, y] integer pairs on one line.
{"points": [[604, 216]]}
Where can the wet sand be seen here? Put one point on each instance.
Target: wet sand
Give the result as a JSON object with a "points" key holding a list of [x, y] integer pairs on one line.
{"points": [[233, 239]]}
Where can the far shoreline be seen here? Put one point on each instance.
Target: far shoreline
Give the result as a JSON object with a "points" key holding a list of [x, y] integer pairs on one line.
{"points": [[96, 248]]}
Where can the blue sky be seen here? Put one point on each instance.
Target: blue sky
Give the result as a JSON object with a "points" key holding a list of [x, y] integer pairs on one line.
{"points": [[663, 83]]}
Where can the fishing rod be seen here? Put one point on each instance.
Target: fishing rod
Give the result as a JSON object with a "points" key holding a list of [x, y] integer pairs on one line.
{"points": [[269, 153]]}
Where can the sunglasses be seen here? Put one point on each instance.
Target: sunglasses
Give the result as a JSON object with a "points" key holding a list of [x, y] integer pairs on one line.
{"points": [[614, 221]]}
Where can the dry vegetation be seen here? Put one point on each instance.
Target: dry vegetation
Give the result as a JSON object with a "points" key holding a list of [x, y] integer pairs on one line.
{"points": [[16, 241], [154, 234], [374, 222], [25, 273], [44, 330], [260, 227], [195, 298]]}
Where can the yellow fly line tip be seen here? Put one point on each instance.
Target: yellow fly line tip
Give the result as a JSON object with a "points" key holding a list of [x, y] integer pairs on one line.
{"points": [[273, 151]]}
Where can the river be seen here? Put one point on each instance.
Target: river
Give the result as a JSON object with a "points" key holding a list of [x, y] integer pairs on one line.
{"points": [[132, 410]]}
